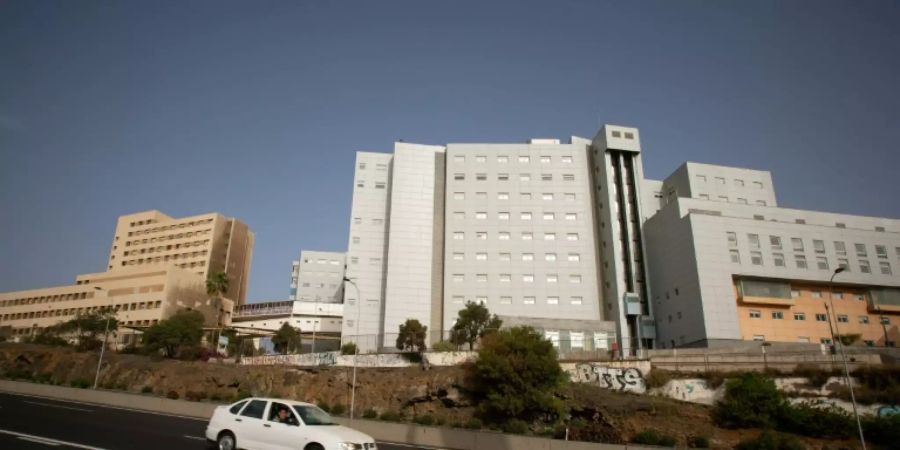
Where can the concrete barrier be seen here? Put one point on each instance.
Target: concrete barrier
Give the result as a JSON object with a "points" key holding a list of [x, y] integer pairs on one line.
{"points": [[440, 437]]}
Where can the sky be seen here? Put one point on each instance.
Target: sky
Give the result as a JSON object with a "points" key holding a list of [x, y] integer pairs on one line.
{"points": [[256, 109]]}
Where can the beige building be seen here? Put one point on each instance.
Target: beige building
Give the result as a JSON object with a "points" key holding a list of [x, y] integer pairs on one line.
{"points": [[157, 266]]}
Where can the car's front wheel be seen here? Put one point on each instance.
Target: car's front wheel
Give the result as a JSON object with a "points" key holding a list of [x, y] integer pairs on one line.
{"points": [[314, 446], [226, 441]]}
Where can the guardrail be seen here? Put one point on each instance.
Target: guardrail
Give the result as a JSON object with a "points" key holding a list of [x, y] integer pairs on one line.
{"points": [[440, 437]]}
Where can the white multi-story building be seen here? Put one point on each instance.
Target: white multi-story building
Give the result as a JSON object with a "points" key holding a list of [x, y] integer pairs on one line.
{"points": [[318, 277]]}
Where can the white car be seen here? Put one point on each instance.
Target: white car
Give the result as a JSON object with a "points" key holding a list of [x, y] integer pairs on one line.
{"points": [[277, 424]]}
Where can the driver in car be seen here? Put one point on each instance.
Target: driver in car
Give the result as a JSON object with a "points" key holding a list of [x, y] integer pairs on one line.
{"points": [[284, 416]]}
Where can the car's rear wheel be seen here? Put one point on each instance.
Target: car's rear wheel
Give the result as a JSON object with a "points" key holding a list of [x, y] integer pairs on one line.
{"points": [[226, 441], [314, 446]]}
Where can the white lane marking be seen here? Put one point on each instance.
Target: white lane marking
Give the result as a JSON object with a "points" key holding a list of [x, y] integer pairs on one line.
{"points": [[398, 444], [55, 441], [58, 406], [39, 441], [16, 394], [195, 437]]}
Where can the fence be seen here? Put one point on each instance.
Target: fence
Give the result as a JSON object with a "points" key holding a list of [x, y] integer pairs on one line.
{"points": [[763, 358]]}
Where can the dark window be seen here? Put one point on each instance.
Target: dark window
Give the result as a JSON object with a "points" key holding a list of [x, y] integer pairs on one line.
{"points": [[237, 407], [255, 409]]}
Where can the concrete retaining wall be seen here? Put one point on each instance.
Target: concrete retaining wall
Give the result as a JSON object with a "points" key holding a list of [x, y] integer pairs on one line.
{"points": [[448, 438]]}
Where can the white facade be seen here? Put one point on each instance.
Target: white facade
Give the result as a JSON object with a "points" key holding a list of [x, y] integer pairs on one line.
{"points": [[270, 316], [318, 277]]}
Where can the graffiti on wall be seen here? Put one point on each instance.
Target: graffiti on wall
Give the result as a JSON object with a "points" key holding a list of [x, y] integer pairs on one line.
{"points": [[888, 410], [620, 379]]}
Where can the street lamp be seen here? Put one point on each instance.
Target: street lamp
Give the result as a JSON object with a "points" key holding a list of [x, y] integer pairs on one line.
{"points": [[105, 334], [356, 345], [837, 330]]}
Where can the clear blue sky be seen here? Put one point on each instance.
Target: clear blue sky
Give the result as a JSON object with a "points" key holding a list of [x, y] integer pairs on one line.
{"points": [[255, 109]]}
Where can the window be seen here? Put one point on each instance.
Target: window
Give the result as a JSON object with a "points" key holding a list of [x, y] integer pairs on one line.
{"points": [[864, 320], [843, 262], [481, 256], [754, 314], [481, 235], [459, 176], [775, 242], [525, 196], [795, 293], [481, 195], [777, 315], [360, 183], [481, 300], [481, 278], [816, 294], [547, 196], [459, 196], [552, 300], [505, 278], [459, 215], [821, 318], [550, 257], [885, 267], [527, 236], [885, 321], [458, 235], [703, 196], [720, 180], [549, 236], [527, 256], [355, 239], [503, 196], [842, 318], [524, 159], [822, 262], [881, 252], [503, 236], [570, 197], [458, 256], [458, 299], [549, 216], [566, 159], [528, 278], [545, 159], [799, 316], [505, 300], [574, 257], [237, 407], [754, 240], [502, 159], [838, 295], [759, 338], [528, 300], [739, 183], [552, 278], [362, 166], [575, 279], [840, 248], [735, 256], [504, 257], [571, 216], [819, 246], [701, 178], [864, 266], [761, 202], [379, 185], [546, 177], [742, 201], [357, 220], [778, 259], [576, 300], [254, 409], [861, 250], [572, 236], [459, 159], [503, 216], [800, 260], [480, 177], [797, 243], [480, 158], [502, 177], [756, 258], [481, 215], [525, 216], [732, 238], [568, 177], [524, 177]]}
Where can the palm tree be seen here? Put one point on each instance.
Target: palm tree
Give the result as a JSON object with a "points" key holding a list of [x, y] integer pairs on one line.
{"points": [[216, 287]]}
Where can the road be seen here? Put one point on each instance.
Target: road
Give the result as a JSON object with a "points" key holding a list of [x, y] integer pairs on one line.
{"points": [[40, 423]]}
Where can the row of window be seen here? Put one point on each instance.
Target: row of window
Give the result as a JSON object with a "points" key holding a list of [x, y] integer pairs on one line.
{"points": [[523, 196], [319, 285], [507, 278], [378, 184], [737, 181], [167, 227], [380, 167], [800, 261], [778, 260], [724, 198], [523, 215], [505, 236], [797, 244], [168, 237], [163, 248], [333, 262], [503, 159], [806, 339], [820, 317], [46, 299], [526, 300], [459, 176], [75, 311], [178, 256], [551, 257]]}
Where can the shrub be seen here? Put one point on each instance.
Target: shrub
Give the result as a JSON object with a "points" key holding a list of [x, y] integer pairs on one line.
{"points": [[215, 397], [390, 416], [146, 389], [809, 419], [370, 414], [768, 440], [882, 430], [426, 419], [698, 442], [337, 409], [440, 421], [195, 396], [172, 395], [242, 394], [815, 375], [80, 383], [323, 406], [515, 426], [653, 437], [122, 386], [473, 424], [751, 401], [415, 358], [444, 346], [348, 349], [658, 378]]}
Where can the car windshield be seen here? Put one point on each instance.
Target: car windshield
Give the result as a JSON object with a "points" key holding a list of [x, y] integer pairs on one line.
{"points": [[312, 415]]}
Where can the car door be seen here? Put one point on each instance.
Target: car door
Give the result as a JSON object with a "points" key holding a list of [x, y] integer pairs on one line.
{"points": [[282, 432], [248, 425]]}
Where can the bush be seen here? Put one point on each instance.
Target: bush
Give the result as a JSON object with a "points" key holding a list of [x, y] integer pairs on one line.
{"points": [[370, 414], [768, 440], [390, 416], [80, 383], [440, 421], [880, 384], [653, 437], [473, 424], [172, 395], [426, 419], [215, 397], [195, 396], [337, 409], [348, 349], [147, 390], [698, 442], [816, 376], [515, 426], [414, 358], [444, 346], [882, 430], [808, 419], [324, 406], [658, 378], [751, 401]]}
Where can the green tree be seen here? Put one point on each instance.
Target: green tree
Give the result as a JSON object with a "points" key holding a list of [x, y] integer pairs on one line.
{"points": [[751, 401], [474, 322], [183, 329], [515, 376], [216, 287], [87, 328], [412, 336], [287, 339]]}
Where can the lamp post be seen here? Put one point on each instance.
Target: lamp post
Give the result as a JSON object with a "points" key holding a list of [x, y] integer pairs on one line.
{"points": [[883, 321], [837, 330], [105, 334], [356, 345]]}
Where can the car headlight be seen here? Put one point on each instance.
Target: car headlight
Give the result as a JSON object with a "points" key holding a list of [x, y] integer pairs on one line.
{"points": [[350, 446]]}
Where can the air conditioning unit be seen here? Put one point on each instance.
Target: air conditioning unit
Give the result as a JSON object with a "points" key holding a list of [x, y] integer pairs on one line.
{"points": [[632, 304], [648, 327]]}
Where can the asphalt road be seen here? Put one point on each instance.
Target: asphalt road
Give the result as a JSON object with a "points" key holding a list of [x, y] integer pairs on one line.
{"points": [[39, 423]]}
